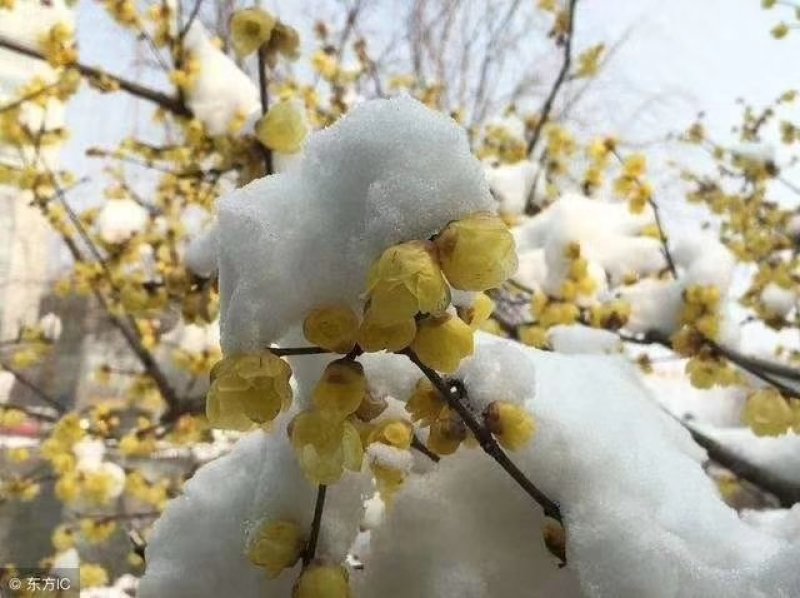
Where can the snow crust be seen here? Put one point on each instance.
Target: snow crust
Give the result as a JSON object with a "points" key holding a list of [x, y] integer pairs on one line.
{"points": [[222, 92], [409, 172], [642, 517]]}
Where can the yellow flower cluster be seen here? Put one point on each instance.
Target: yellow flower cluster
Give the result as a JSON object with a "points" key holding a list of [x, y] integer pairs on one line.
{"points": [[58, 45], [248, 389], [631, 184], [700, 311], [324, 438], [768, 413]]}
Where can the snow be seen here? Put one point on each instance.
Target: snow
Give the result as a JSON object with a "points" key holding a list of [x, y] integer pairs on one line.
{"points": [[622, 470], [779, 455], [51, 327], [511, 185], [201, 253], [121, 219], [198, 546], [777, 300], [609, 236], [222, 91], [275, 238], [577, 339]]}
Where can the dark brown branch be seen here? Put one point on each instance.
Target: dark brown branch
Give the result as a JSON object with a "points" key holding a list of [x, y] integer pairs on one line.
{"points": [[288, 351], [264, 96], [454, 396], [752, 365], [659, 224], [547, 107], [33, 387], [319, 507], [167, 102], [416, 444], [191, 19], [785, 491]]}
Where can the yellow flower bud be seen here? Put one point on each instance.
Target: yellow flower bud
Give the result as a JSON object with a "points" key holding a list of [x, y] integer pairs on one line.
{"points": [[373, 337], [248, 389], [477, 253], [283, 128], [511, 424], [406, 280], [333, 328], [396, 433], [442, 342], [277, 546], [767, 413], [325, 446], [447, 433], [426, 403], [323, 581], [479, 312], [341, 389], [250, 29]]}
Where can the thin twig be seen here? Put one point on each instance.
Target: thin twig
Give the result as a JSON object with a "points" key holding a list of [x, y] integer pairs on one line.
{"points": [[288, 351], [33, 387], [159, 98], [417, 444], [319, 507], [264, 96], [785, 491], [454, 396], [547, 107]]}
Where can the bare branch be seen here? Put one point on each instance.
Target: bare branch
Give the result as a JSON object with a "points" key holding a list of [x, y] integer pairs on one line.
{"points": [[167, 102]]}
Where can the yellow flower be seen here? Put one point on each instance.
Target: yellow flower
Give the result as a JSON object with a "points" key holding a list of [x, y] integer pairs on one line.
{"points": [[405, 281], [333, 328], [283, 128], [477, 253], [511, 424], [250, 29], [447, 432], [93, 576], [341, 389], [374, 337], [395, 432], [277, 546], [63, 538], [479, 312], [325, 447], [323, 581], [248, 389], [426, 403], [767, 413], [442, 342]]}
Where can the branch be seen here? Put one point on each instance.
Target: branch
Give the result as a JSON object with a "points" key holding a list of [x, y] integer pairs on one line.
{"points": [[453, 395], [785, 491], [264, 95], [30, 385], [547, 107], [759, 368], [319, 507], [159, 98]]}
